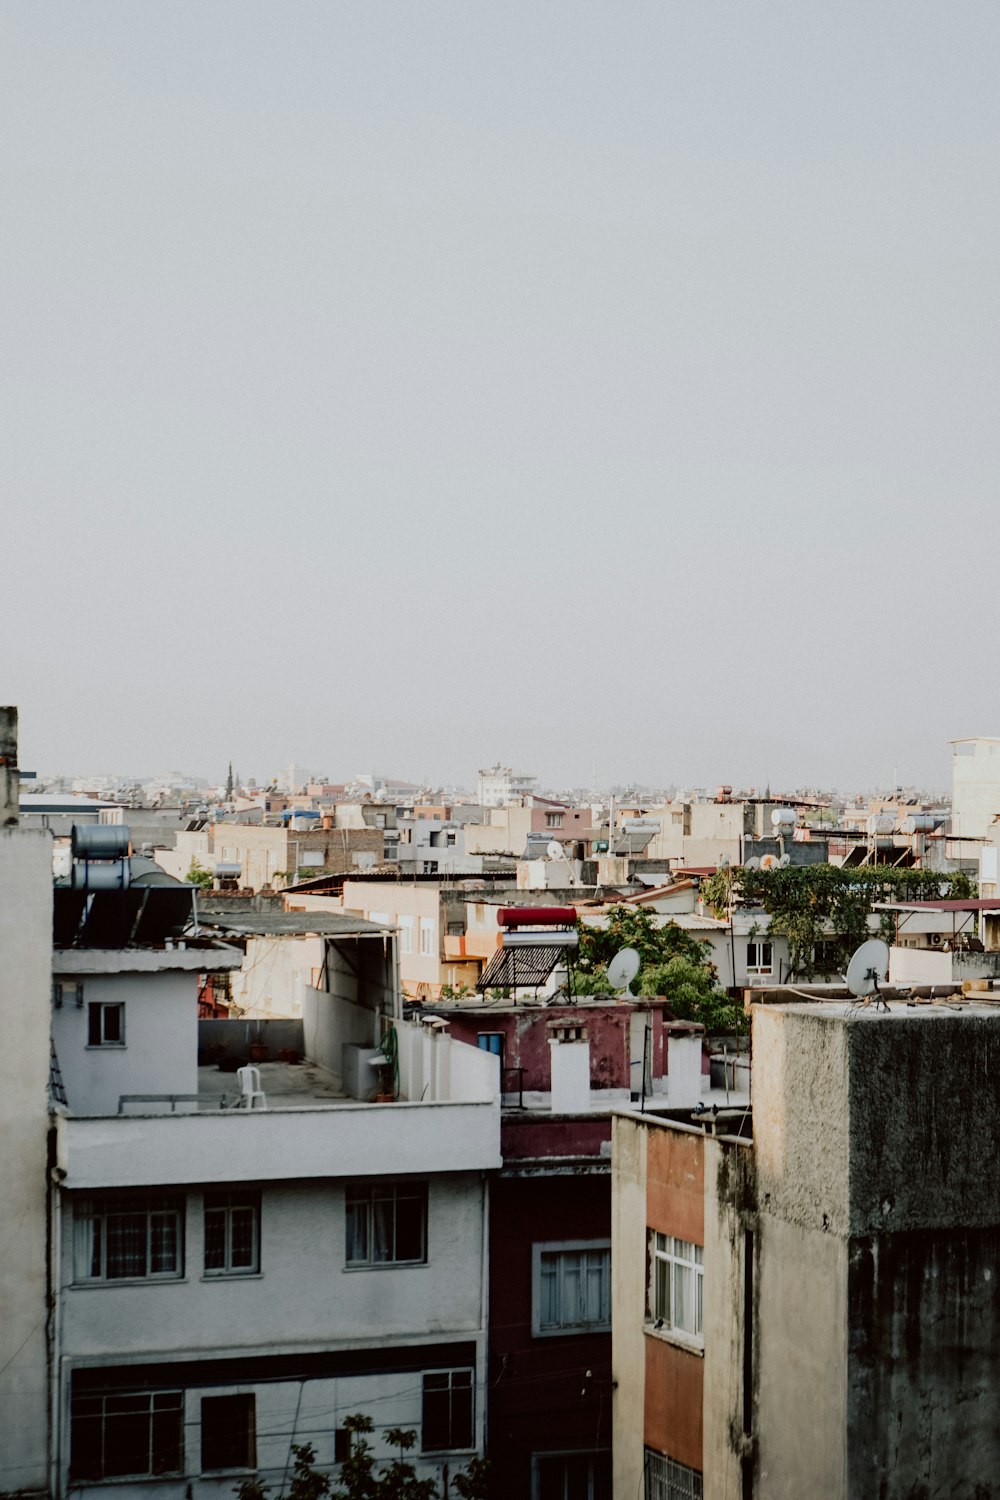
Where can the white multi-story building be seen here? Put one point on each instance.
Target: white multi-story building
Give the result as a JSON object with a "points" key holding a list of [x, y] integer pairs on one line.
{"points": [[500, 786], [230, 1276], [975, 786]]}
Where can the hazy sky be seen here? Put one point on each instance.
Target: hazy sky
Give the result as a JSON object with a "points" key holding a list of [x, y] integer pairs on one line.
{"points": [[407, 386]]}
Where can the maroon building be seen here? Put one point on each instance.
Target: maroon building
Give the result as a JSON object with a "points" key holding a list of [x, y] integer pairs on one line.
{"points": [[563, 1067]]}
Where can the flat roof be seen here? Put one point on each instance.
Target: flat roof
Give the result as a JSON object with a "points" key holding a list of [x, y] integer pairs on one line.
{"points": [[973, 903], [295, 924]]}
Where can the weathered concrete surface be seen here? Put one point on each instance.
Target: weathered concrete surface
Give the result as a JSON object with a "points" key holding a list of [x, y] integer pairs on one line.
{"points": [[730, 1211], [924, 1366], [801, 1117], [802, 1416], [925, 1130]]}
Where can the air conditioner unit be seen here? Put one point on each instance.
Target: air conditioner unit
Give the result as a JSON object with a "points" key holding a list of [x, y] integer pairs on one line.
{"points": [[936, 939]]}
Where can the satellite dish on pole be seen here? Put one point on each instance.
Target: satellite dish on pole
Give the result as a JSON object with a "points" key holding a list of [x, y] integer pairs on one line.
{"points": [[868, 968], [622, 970], [554, 849], [753, 864]]}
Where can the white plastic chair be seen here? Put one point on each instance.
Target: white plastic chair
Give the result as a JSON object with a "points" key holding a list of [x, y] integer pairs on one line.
{"points": [[250, 1089]]}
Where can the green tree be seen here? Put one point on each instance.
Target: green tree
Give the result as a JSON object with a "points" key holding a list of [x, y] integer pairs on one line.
{"points": [[199, 876], [672, 963], [813, 904]]}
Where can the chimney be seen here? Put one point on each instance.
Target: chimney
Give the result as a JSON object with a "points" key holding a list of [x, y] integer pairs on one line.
{"points": [[569, 1050], [9, 779]]}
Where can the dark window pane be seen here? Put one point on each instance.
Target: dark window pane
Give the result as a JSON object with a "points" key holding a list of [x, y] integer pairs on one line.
{"points": [[215, 1239], [93, 1025], [341, 1445], [410, 1229], [228, 1439], [357, 1232], [112, 1023], [163, 1243], [435, 1414], [461, 1411], [126, 1248], [382, 1237], [244, 1239], [127, 1440]]}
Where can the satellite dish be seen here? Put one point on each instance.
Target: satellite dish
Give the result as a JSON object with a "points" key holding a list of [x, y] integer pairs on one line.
{"points": [[554, 849], [622, 970], [784, 861], [753, 864], [769, 861], [868, 968]]}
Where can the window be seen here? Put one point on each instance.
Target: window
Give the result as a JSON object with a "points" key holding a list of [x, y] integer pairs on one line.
{"points": [[427, 937], [232, 1233], [490, 1041], [571, 1287], [759, 957], [447, 1410], [553, 820], [406, 934], [826, 956], [228, 1432], [140, 1432], [668, 1480], [105, 1025], [386, 1223], [129, 1238], [341, 1445], [676, 1290], [571, 1476]]}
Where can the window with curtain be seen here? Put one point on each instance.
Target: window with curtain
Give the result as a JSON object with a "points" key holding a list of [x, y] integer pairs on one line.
{"points": [[572, 1287], [386, 1223], [131, 1237]]}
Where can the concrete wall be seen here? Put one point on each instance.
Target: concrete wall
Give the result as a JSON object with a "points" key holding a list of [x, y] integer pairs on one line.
{"points": [[160, 1055], [25, 980], [628, 1304]]}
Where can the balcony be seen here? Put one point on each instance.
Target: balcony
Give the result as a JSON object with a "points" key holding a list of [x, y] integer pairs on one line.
{"points": [[446, 1119]]}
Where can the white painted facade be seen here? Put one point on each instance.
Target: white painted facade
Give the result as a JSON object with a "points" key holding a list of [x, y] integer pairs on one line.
{"points": [[303, 1337]]}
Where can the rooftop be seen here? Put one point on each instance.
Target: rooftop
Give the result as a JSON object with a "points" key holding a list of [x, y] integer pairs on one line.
{"points": [[294, 924]]}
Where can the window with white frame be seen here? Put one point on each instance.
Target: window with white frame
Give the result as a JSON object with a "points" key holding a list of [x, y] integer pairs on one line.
{"points": [[232, 1234], [405, 934], [105, 1024], [386, 1223], [675, 1294], [760, 956], [571, 1287], [571, 1476], [553, 820], [128, 1237], [118, 1433], [447, 1411], [666, 1479], [427, 937], [228, 1432]]}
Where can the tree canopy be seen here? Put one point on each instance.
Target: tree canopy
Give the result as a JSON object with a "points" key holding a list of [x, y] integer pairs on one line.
{"points": [[813, 905], [672, 963]]}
